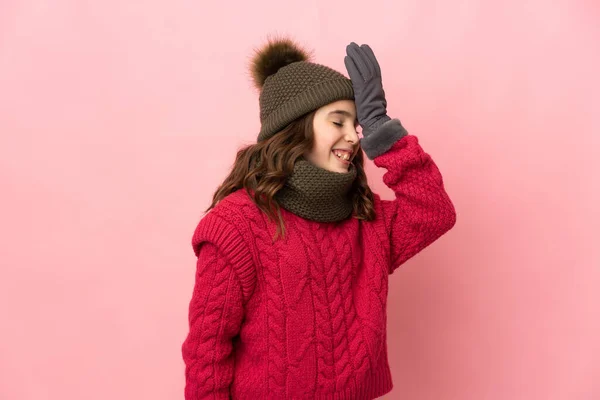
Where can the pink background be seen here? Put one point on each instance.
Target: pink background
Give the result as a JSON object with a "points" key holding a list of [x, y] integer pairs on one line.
{"points": [[119, 119]]}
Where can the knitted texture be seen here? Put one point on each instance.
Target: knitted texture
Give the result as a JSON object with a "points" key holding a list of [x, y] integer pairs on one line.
{"points": [[317, 194], [305, 317], [296, 89]]}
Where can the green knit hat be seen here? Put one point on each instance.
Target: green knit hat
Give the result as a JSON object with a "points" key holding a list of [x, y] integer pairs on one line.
{"points": [[291, 85]]}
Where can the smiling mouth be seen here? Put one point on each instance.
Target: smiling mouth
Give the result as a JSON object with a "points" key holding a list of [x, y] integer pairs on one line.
{"points": [[345, 162], [343, 155]]}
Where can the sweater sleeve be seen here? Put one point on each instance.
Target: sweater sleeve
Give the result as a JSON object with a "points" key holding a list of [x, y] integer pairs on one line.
{"points": [[422, 210], [223, 282]]}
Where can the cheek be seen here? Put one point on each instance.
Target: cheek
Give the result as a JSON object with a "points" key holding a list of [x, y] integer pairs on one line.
{"points": [[327, 142], [324, 141], [325, 150]]}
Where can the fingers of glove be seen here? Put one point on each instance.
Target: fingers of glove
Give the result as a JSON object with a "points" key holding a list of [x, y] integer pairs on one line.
{"points": [[369, 53], [360, 60], [352, 70]]}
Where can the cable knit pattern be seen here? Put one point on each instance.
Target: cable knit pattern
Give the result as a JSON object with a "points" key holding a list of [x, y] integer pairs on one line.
{"points": [[304, 317], [422, 208]]}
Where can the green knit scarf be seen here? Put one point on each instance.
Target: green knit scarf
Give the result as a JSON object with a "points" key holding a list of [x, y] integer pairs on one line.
{"points": [[317, 194]]}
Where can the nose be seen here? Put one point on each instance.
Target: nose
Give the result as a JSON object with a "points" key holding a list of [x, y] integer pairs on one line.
{"points": [[352, 135]]}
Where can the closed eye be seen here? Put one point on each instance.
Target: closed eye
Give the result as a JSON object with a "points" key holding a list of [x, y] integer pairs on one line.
{"points": [[338, 124]]}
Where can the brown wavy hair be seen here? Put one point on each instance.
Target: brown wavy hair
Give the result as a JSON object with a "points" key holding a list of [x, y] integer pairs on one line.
{"points": [[262, 180]]}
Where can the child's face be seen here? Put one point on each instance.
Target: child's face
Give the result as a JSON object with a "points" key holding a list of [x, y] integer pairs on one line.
{"points": [[329, 135]]}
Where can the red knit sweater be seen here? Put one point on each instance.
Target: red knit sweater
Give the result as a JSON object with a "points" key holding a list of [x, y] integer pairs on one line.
{"points": [[305, 317]]}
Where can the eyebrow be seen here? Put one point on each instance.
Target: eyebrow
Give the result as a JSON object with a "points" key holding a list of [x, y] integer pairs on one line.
{"points": [[345, 113]]}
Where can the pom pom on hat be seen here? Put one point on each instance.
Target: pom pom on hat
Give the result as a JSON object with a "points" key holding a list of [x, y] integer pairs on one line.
{"points": [[277, 53]]}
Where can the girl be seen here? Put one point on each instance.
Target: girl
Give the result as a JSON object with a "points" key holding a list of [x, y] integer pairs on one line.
{"points": [[294, 256]]}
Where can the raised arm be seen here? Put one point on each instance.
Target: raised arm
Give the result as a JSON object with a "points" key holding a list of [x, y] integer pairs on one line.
{"points": [[422, 210]]}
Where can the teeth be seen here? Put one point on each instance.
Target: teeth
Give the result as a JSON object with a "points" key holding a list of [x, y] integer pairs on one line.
{"points": [[344, 156]]}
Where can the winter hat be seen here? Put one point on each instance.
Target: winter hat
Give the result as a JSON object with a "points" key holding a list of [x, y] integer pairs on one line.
{"points": [[291, 85]]}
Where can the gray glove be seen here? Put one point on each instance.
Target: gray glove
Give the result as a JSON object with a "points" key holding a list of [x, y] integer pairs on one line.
{"points": [[369, 96], [380, 132]]}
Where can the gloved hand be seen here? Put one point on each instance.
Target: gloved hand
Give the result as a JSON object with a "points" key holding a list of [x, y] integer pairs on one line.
{"points": [[369, 97]]}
